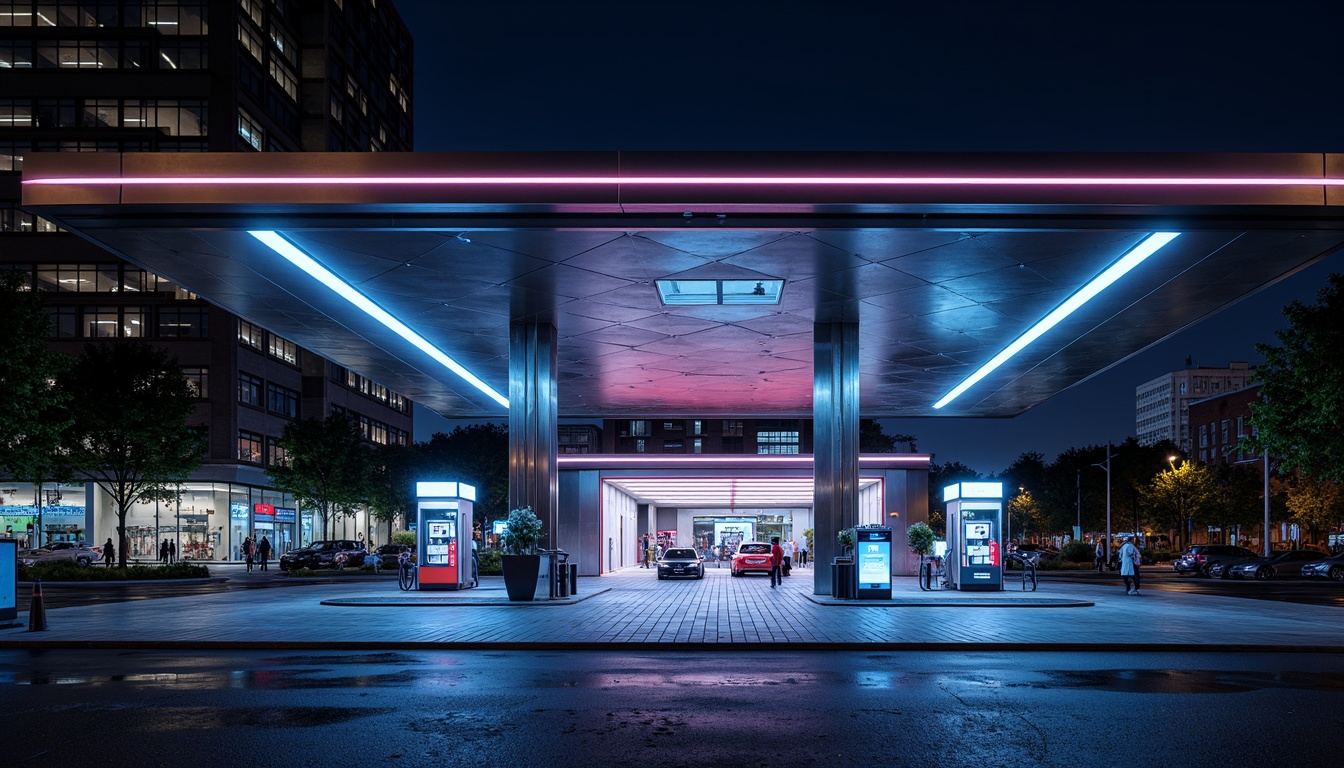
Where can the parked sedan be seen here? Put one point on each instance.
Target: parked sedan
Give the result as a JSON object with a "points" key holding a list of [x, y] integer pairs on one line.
{"points": [[1327, 568], [751, 557], [1286, 563], [1199, 558], [57, 551], [681, 561]]}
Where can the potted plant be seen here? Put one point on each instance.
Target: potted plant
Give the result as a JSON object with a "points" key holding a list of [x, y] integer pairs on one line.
{"points": [[846, 540], [521, 563], [920, 538]]}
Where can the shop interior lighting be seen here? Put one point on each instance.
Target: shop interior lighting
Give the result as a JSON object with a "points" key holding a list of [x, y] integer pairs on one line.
{"points": [[303, 261], [1136, 255]]}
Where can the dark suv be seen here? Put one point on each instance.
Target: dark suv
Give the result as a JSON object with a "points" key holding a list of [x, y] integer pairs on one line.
{"points": [[1201, 557]]}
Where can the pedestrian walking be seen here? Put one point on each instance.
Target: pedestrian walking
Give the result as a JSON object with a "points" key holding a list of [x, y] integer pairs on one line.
{"points": [[1101, 555], [249, 551], [163, 552], [264, 551], [644, 551], [776, 563], [1129, 566], [802, 551], [109, 552], [172, 552]]}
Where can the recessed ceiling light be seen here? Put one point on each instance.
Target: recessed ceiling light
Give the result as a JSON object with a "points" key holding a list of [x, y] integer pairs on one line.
{"points": [[684, 293]]}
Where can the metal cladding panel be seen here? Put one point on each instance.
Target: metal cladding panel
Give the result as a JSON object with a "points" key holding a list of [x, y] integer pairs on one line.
{"points": [[533, 424], [835, 440]]}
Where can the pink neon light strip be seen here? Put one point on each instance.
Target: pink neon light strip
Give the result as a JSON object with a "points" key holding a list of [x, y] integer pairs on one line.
{"points": [[768, 181], [627, 459]]}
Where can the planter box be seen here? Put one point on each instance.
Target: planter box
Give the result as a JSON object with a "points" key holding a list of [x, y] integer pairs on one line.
{"points": [[520, 576]]}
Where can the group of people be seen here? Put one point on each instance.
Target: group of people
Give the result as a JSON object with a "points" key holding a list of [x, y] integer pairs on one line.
{"points": [[1129, 557], [167, 552], [259, 551]]}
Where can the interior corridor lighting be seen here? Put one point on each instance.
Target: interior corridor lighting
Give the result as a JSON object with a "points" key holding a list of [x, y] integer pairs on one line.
{"points": [[1136, 255], [303, 261]]}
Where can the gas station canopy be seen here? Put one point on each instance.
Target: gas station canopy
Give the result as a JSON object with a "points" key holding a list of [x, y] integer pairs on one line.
{"points": [[689, 284]]}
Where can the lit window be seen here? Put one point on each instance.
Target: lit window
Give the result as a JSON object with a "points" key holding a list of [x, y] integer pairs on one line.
{"points": [[729, 292]]}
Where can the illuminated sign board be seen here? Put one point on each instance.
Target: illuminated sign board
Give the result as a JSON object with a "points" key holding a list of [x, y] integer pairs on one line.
{"points": [[9, 603]]}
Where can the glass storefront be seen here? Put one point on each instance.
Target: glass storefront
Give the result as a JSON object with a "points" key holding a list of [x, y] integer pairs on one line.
{"points": [[717, 534], [59, 512], [210, 521]]}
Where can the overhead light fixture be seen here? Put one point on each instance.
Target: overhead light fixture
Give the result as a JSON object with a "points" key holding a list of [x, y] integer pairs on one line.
{"points": [[685, 293], [1136, 255], [303, 261]]}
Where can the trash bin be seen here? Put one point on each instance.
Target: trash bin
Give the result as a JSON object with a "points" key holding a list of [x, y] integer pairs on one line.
{"points": [[559, 573], [842, 578], [573, 578]]}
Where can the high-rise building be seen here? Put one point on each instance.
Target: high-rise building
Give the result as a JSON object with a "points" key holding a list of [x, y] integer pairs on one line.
{"points": [[194, 76], [1162, 405]]}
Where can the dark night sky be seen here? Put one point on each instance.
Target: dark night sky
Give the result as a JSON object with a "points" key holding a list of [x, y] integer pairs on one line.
{"points": [[886, 76]]}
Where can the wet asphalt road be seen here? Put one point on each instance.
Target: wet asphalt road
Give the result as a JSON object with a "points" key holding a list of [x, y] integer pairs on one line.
{"points": [[664, 710]]}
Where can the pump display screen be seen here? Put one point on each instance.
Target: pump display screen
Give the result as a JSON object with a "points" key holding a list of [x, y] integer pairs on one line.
{"points": [[440, 539], [8, 579]]}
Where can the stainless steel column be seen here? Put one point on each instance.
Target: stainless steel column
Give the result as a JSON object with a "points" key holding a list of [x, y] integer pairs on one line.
{"points": [[532, 425], [835, 437]]}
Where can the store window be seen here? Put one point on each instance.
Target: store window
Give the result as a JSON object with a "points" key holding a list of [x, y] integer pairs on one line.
{"points": [[282, 349], [282, 401], [251, 335], [183, 322], [198, 381], [249, 447], [249, 389]]}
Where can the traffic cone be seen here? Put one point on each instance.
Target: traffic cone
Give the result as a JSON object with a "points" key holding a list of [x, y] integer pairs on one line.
{"points": [[37, 615]]}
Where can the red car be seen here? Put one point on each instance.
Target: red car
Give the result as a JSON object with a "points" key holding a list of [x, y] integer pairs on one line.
{"points": [[751, 556]]}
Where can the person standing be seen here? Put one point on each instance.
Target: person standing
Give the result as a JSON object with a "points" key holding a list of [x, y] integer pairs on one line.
{"points": [[163, 552], [249, 550], [802, 551], [264, 551], [776, 563], [109, 552], [1129, 566], [644, 551], [1101, 555], [172, 552]]}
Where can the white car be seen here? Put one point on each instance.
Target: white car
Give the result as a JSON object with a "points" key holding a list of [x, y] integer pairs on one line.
{"points": [[61, 550]]}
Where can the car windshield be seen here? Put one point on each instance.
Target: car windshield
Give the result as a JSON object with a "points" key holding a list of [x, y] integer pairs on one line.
{"points": [[679, 554], [754, 549], [322, 546]]}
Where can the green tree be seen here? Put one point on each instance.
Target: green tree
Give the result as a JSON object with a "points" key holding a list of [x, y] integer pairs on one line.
{"points": [[1299, 417], [479, 456], [1024, 514], [131, 430], [1183, 494], [873, 439], [394, 470], [326, 467], [941, 476], [1314, 504], [1240, 499], [33, 411]]}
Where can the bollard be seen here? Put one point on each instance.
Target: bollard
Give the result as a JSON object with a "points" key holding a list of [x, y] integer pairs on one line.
{"points": [[37, 615]]}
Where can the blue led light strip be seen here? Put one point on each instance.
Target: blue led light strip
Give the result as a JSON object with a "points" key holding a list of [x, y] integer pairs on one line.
{"points": [[323, 275], [1143, 250]]}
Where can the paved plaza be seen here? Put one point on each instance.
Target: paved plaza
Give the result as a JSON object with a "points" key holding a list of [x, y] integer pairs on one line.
{"points": [[632, 609]]}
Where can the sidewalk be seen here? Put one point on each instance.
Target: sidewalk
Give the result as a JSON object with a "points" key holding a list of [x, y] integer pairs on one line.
{"points": [[633, 610]]}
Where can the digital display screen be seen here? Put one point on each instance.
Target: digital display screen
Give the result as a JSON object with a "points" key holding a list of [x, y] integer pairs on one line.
{"points": [[9, 552]]}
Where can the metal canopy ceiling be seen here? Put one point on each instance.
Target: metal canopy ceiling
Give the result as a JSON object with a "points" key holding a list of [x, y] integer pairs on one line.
{"points": [[942, 260]]}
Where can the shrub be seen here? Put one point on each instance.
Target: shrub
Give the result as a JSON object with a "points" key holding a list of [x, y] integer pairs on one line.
{"points": [[403, 538], [920, 537], [68, 570], [492, 562], [524, 528], [1079, 552]]}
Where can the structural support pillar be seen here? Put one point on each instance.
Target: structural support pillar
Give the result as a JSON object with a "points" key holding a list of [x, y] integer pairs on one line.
{"points": [[835, 438], [533, 418]]}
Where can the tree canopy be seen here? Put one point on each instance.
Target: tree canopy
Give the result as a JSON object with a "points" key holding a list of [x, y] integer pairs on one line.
{"points": [[32, 411], [327, 466], [1299, 416], [131, 430]]}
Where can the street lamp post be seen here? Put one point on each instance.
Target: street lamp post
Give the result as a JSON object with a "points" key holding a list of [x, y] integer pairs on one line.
{"points": [[1106, 466]]}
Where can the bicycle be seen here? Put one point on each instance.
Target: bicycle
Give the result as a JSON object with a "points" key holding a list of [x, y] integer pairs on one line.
{"points": [[406, 573], [1029, 581], [933, 574]]}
